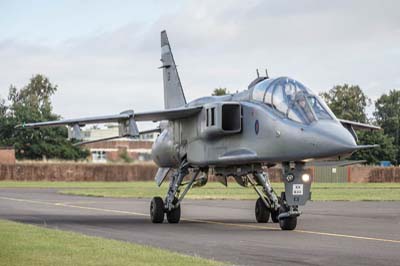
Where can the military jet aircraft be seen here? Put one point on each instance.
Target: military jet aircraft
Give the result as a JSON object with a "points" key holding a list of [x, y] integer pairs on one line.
{"points": [[273, 121]]}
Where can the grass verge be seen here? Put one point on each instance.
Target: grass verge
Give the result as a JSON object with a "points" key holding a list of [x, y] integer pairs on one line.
{"points": [[22, 244], [213, 190]]}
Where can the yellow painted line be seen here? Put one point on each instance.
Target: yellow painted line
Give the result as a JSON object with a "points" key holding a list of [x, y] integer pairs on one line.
{"points": [[348, 236], [205, 221], [100, 209], [80, 202], [73, 206], [26, 200]]}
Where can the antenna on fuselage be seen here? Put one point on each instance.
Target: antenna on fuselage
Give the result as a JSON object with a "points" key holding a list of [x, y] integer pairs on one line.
{"points": [[258, 74], [266, 73]]}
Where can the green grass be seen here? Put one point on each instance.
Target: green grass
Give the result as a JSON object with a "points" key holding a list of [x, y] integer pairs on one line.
{"points": [[22, 244], [62, 184], [320, 191]]}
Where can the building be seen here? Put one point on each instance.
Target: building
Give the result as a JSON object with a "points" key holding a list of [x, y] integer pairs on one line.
{"points": [[7, 156], [123, 149]]}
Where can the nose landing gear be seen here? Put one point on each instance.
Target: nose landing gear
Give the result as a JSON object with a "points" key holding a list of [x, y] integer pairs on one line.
{"points": [[287, 215]]}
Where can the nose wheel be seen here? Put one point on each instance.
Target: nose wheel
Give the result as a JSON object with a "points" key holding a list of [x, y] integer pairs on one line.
{"points": [[287, 223]]}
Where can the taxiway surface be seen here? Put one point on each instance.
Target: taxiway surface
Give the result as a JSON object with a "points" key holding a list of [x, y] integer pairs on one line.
{"points": [[328, 233]]}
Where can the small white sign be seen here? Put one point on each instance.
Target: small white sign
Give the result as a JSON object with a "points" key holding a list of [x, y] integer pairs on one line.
{"points": [[297, 189], [333, 170]]}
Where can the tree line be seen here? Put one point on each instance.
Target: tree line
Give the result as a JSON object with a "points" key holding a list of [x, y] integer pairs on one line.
{"points": [[32, 103], [350, 102]]}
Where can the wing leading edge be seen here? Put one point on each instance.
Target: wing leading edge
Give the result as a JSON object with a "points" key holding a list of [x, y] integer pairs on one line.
{"points": [[357, 125], [170, 114]]}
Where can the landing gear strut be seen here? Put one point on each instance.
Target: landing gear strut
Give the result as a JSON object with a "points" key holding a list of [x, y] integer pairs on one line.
{"points": [[267, 204], [171, 207]]}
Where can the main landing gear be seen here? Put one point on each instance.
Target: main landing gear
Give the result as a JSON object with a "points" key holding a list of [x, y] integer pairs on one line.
{"points": [[171, 207], [157, 211], [282, 210], [267, 204]]}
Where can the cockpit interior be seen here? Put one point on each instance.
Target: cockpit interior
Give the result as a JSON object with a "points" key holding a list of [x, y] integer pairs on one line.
{"points": [[292, 100]]}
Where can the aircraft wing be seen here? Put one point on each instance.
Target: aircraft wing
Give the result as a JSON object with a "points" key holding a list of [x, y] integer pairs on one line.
{"points": [[126, 121], [80, 121], [169, 114], [335, 163], [357, 125]]}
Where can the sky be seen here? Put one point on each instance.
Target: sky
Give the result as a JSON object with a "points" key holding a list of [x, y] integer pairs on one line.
{"points": [[104, 55]]}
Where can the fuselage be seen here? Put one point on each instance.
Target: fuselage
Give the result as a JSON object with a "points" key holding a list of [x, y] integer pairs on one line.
{"points": [[280, 120]]}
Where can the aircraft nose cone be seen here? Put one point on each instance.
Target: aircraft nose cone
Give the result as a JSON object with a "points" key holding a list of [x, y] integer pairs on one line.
{"points": [[333, 138]]}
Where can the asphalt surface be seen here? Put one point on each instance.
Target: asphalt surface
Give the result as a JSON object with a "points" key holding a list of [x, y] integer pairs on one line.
{"points": [[328, 233]]}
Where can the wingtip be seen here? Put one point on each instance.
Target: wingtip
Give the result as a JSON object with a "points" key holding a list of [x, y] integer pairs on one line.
{"points": [[360, 147], [20, 126]]}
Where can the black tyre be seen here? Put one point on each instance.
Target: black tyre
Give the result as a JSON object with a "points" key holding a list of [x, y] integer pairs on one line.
{"points": [[174, 215], [157, 210], [262, 212], [288, 223], [274, 216]]}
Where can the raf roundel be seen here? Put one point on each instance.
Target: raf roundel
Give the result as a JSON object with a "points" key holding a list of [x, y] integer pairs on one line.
{"points": [[256, 127]]}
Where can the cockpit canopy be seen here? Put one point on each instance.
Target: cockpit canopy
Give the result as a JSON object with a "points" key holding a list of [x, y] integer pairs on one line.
{"points": [[292, 99]]}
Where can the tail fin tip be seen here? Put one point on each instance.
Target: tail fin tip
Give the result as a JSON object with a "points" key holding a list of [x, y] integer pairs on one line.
{"points": [[173, 91]]}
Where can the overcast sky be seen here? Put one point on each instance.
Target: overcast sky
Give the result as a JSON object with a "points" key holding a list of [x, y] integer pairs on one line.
{"points": [[104, 55]]}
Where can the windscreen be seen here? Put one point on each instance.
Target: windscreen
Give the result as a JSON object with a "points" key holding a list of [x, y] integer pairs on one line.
{"points": [[294, 100]]}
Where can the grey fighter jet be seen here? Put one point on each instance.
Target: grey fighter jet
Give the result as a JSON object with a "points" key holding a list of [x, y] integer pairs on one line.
{"points": [[273, 121]]}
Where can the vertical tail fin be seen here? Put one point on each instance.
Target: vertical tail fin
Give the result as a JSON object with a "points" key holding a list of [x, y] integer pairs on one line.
{"points": [[173, 92]]}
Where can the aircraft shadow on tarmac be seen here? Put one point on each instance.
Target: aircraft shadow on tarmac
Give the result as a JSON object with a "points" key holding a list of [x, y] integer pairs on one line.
{"points": [[112, 220]]}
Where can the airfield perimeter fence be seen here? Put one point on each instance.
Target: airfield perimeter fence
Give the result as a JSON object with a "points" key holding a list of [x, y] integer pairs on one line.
{"points": [[71, 171]]}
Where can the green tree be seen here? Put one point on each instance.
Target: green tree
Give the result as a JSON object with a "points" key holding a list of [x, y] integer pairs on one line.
{"points": [[387, 151], [32, 104], [349, 102], [124, 156], [3, 107], [387, 115], [220, 91]]}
